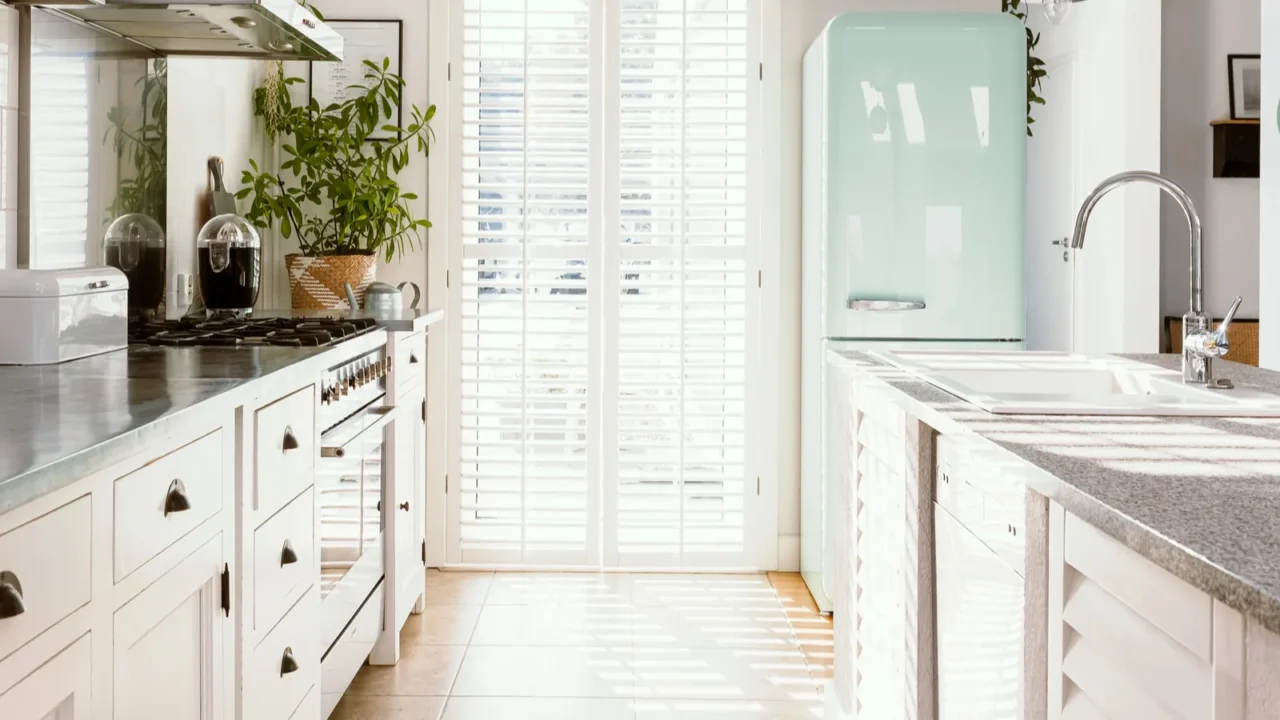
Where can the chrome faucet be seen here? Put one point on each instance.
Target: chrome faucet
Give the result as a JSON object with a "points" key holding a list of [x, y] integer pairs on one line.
{"points": [[1200, 345]]}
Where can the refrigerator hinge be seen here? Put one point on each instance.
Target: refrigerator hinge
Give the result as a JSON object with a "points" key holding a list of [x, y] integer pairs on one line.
{"points": [[424, 553]]}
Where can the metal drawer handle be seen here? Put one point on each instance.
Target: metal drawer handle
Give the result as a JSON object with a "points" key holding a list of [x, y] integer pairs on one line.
{"points": [[290, 440], [176, 500], [413, 359], [405, 506], [288, 556], [884, 305], [288, 663], [11, 604]]}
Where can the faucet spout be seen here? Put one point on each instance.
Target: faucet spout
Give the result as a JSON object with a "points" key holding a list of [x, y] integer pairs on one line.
{"points": [[1179, 195]]}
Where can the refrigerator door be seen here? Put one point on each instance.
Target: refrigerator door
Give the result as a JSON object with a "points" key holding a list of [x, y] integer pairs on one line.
{"points": [[826, 477], [921, 171]]}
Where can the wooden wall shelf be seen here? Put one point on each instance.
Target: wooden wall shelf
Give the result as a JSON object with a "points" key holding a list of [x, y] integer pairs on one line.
{"points": [[1236, 148]]}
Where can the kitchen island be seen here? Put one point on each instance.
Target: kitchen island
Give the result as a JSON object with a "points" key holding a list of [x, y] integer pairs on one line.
{"points": [[1148, 548], [165, 544]]}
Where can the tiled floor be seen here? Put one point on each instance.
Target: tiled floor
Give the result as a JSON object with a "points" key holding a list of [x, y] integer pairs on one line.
{"points": [[533, 646]]}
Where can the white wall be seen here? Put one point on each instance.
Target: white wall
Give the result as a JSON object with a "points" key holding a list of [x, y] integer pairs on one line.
{"points": [[802, 21], [1198, 36], [1269, 214], [210, 113]]}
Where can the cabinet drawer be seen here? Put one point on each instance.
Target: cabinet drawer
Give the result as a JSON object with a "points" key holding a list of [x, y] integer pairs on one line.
{"points": [[282, 576], [156, 505], [57, 689], [348, 654], [49, 559], [284, 668], [411, 359], [310, 707], [285, 452]]}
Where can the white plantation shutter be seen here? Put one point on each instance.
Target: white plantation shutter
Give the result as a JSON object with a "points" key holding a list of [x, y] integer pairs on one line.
{"points": [[607, 305], [525, 489], [678, 460]]}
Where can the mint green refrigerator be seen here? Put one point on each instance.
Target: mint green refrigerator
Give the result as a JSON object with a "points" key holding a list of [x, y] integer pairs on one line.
{"points": [[914, 183]]}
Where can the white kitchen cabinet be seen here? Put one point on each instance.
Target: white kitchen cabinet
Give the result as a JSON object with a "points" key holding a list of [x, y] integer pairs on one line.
{"points": [[884, 643], [171, 642], [1127, 639], [57, 690]]}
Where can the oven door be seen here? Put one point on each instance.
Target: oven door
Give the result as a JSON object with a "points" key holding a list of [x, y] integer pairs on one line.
{"points": [[349, 477]]}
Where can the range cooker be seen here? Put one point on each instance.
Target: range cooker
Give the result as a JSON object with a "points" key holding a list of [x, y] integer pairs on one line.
{"points": [[243, 332]]}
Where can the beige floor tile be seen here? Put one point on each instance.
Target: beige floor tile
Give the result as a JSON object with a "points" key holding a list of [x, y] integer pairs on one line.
{"points": [[727, 710], [555, 625], [712, 674], [504, 671], [711, 624], [457, 588], [422, 670], [596, 589], [475, 708], [441, 625], [680, 590], [388, 707]]}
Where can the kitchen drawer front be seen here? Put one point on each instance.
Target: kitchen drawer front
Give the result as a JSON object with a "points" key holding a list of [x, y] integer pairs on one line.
{"points": [[271, 692], [48, 561], [310, 707], [282, 576], [158, 504], [284, 434], [411, 359], [59, 688], [350, 651]]}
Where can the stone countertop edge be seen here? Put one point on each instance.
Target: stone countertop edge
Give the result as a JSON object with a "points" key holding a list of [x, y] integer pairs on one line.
{"points": [[1211, 570], [222, 393]]}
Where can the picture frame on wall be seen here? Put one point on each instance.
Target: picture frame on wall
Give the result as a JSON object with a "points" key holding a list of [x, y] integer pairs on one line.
{"points": [[1244, 74], [373, 40]]}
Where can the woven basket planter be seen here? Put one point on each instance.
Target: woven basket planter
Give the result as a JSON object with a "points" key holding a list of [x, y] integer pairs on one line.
{"points": [[315, 283]]}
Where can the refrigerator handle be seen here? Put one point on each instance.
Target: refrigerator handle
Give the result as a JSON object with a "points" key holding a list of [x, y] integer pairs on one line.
{"points": [[884, 305]]}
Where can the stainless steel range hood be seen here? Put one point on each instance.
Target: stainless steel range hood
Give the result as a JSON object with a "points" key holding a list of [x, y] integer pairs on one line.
{"points": [[260, 29]]}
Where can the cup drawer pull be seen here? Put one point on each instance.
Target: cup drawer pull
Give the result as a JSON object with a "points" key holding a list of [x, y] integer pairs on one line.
{"points": [[288, 663], [288, 555], [290, 440], [176, 500], [11, 604]]}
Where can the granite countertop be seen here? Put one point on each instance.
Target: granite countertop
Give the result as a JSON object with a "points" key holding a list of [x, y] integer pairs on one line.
{"points": [[1198, 496]]}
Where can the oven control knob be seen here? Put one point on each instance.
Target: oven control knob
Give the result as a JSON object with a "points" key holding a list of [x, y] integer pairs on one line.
{"points": [[324, 395]]}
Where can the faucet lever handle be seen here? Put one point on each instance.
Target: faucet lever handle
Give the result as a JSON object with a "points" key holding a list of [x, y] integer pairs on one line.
{"points": [[1231, 315]]}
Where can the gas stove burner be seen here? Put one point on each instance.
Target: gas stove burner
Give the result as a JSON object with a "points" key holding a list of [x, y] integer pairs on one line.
{"points": [[229, 331]]}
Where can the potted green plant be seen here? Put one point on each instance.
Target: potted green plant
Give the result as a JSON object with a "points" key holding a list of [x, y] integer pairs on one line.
{"points": [[337, 189]]}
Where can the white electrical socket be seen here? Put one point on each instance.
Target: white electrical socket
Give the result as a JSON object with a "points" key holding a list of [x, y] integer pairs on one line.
{"points": [[183, 290]]}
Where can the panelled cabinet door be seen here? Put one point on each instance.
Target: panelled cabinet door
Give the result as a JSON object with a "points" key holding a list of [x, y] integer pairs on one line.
{"points": [[409, 489], [57, 690], [170, 645]]}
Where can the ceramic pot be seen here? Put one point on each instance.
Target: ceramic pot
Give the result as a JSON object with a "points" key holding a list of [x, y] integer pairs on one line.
{"points": [[316, 283]]}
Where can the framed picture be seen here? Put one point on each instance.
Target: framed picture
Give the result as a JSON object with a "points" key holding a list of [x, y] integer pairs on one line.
{"points": [[373, 40], [1245, 80]]}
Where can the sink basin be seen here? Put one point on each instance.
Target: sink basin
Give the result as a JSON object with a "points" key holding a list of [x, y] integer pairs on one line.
{"points": [[1035, 383]]}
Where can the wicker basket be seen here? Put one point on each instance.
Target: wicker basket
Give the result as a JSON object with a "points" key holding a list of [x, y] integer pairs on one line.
{"points": [[315, 283]]}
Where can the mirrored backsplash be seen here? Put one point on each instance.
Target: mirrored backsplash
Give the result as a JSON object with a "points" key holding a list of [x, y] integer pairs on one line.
{"points": [[98, 112]]}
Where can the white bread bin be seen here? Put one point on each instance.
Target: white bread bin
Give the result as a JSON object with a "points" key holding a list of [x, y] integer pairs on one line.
{"points": [[51, 316]]}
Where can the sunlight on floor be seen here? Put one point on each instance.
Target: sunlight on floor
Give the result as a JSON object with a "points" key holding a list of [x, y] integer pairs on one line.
{"points": [[563, 646]]}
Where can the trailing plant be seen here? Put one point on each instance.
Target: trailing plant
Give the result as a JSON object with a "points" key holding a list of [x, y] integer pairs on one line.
{"points": [[1035, 66], [141, 144], [337, 188]]}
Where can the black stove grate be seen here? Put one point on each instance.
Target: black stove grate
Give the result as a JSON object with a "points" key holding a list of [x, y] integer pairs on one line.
{"points": [[231, 332]]}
